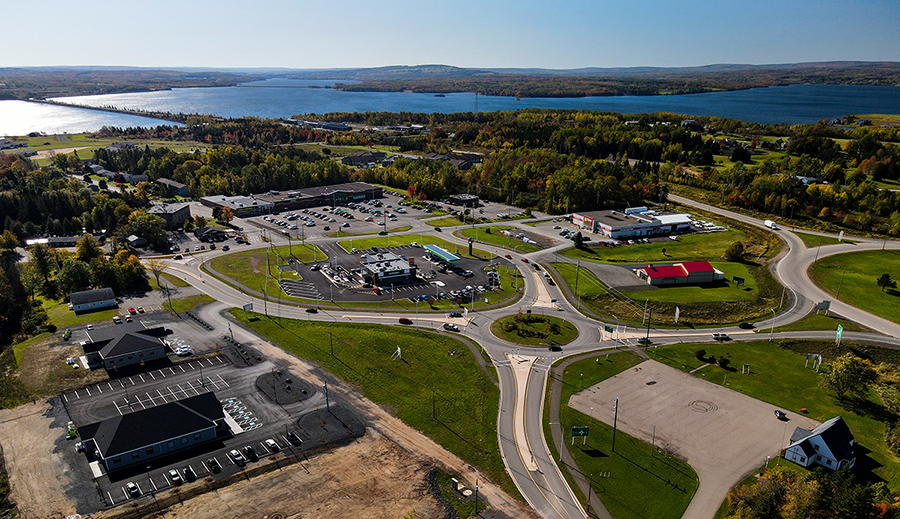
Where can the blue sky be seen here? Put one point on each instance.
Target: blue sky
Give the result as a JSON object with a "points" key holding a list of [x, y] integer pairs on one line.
{"points": [[487, 33]]}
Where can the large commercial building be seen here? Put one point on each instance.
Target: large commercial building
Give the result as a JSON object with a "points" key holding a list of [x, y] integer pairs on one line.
{"points": [[636, 221], [174, 214], [278, 201], [145, 434], [388, 269]]}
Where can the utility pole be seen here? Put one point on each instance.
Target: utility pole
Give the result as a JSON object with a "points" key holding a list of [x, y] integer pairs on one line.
{"points": [[838, 296], [615, 421]]}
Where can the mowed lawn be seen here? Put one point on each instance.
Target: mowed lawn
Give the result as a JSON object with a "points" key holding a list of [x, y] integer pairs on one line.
{"points": [[465, 399], [859, 271], [689, 247], [779, 377], [248, 267], [634, 481], [588, 284], [814, 240], [495, 237]]}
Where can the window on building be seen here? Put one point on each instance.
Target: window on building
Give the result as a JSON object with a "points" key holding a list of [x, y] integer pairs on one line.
{"points": [[117, 460], [802, 459], [135, 455], [197, 436], [184, 440], [817, 447], [828, 462], [172, 445], [149, 450]]}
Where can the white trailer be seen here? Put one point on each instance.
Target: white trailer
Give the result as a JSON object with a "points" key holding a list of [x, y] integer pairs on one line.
{"points": [[771, 225]]}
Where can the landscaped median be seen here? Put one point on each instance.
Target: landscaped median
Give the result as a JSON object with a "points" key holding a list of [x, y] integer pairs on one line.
{"points": [[493, 235], [853, 278], [432, 372], [531, 329]]}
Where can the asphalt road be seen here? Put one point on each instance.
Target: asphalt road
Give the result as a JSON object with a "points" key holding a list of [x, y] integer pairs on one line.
{"points": [[531, 465]]}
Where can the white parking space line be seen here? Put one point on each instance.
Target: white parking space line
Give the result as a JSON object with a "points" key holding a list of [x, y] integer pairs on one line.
{"points": [[88, 391], [76, 394], [210, 361], [110, 385], [182, 368], [154, 485], [65, 397], [163, 375], [151, 376], [161, 396], [142, 378], [98, 389], [132, 381], [141, 401], [192, 366], [172, 370], [111, 501]]}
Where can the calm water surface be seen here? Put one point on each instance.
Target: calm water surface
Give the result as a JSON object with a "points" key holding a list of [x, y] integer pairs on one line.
{"points": [[277, 98]]}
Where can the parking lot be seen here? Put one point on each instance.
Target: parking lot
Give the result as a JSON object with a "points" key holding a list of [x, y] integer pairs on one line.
{"points": [[267, 411], [722, 434]]}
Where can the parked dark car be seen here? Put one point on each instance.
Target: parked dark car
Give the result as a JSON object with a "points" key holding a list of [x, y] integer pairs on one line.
{"points": [[780, 415], [249, 453]]}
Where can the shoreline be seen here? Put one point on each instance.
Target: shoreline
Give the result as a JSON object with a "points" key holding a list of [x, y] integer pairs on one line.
{"points": [[162, 116]]}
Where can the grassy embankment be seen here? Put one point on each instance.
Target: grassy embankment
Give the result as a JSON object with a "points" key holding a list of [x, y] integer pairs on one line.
{"points": [[623, 479], [465, 400]]}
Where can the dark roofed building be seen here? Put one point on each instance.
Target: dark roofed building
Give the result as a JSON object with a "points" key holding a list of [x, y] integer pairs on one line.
{"points": [[125, 348], [210, 234], [174, 214], [176, 187], [364, 157], [92, 299], [830, 445], [464, 199], [149, 433]]}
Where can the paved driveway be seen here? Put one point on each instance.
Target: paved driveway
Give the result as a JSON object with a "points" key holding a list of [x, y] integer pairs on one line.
{"points": [[723, 434]]}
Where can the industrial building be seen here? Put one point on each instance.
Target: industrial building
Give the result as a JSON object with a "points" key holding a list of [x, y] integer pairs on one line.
{"points": [[145, 434], [635, 221]]}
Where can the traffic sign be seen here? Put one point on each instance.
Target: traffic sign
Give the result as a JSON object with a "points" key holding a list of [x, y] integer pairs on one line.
{"points": [[607, 328], [580, 431], [840, 331]]}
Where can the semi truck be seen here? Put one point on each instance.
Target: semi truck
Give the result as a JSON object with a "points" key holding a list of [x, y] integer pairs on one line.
{"points": [[771, 225]]}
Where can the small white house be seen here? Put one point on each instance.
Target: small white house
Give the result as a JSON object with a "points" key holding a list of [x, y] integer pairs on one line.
{"points": [[92, 299], [830, 445]]}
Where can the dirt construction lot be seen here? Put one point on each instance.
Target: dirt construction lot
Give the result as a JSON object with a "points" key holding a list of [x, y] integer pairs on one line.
{"points": [[724, 435], [372, 477]]}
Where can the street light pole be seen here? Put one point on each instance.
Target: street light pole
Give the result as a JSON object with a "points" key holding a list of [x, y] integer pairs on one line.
{"points": [[772, 330]]}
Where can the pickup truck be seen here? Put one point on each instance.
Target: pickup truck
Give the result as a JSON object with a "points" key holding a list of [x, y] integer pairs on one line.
{"points": [[721, 336]]}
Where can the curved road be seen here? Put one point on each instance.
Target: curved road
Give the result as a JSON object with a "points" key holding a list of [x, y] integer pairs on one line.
{"points": [[523, 371]]}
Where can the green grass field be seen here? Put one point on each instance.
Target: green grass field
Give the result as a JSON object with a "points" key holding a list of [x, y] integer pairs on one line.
{"points": [[187, 303], [778, 377], [855, 274], [63, 318], [247, 267], [465, 400], [688, 248], [588, 284], [821, 321], [814, 240], [635, 470], [406, 239], [449, 221], [343, 234], [496, 238], [530, 330]]}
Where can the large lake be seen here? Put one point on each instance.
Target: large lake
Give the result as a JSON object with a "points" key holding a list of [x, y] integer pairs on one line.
{"points": [[278, 98]]}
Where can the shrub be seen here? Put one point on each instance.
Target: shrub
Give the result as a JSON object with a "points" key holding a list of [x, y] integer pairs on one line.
{"points": [[723, 362], [701, 355]]}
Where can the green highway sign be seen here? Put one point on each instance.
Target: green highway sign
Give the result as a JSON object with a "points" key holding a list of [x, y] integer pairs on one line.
{"points": [[608, 328], [580, 431], [840, 331]]}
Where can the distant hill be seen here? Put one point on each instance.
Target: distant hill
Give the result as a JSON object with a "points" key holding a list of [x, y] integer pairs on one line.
{"points": [[43, 82]]}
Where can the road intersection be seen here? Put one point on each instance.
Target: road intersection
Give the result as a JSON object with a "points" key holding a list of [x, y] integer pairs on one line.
{"points": [[523, 371]]}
